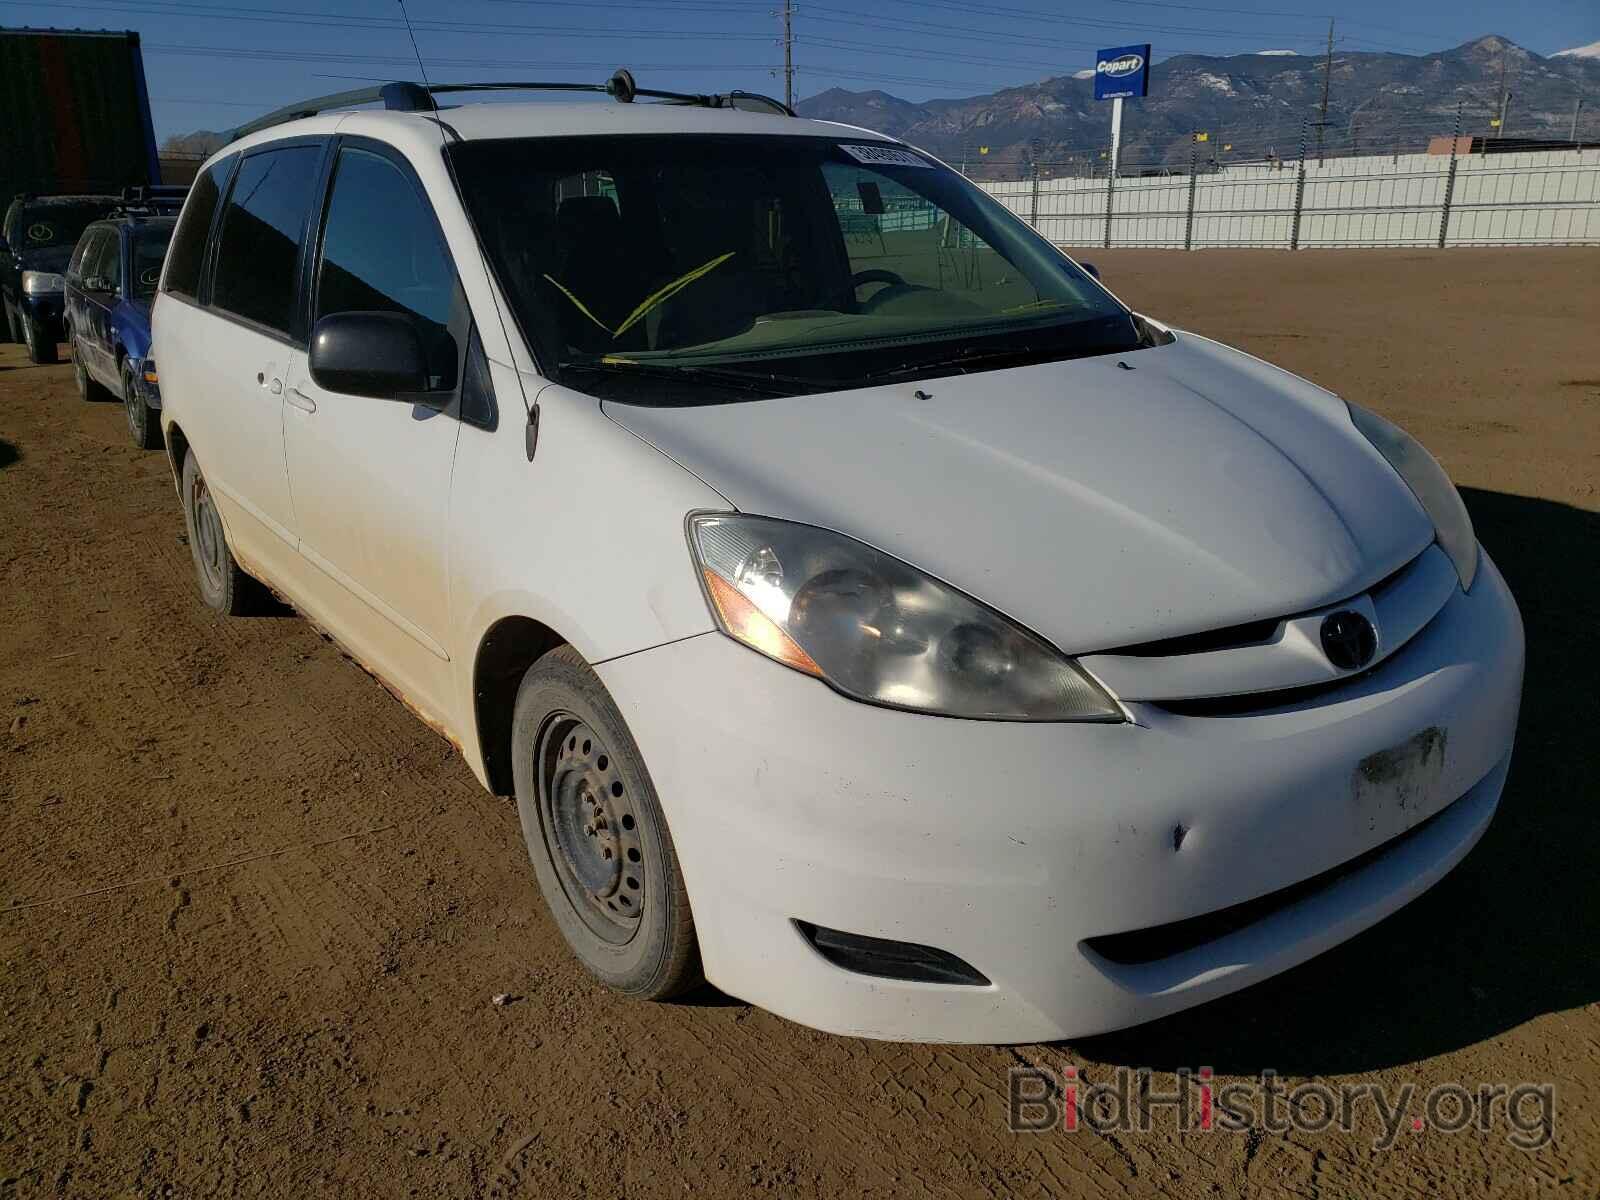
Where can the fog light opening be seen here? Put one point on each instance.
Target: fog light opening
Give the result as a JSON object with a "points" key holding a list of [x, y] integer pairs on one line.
{"points": [[886, 959]]}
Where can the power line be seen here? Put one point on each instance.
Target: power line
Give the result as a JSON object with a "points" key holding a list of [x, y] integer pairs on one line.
{"points": [[1021, 14], [964, 33], [250, 53], [272, 15]]}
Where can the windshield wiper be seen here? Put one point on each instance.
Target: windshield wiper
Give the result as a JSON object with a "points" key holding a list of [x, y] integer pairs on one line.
{"points": [[1016, 355], [967, 358], [766, 383]]}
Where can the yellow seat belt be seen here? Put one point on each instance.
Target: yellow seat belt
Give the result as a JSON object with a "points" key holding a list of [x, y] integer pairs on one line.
{"points": [[650, 302]]}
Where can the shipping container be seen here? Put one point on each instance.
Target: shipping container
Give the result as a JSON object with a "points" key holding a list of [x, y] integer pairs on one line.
{"points": [[74, 113]]}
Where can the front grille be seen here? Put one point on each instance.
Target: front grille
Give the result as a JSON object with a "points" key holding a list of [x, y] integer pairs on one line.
{"points": [[889, 959], [1253, 704], [1164, 941], [1251, 633]]}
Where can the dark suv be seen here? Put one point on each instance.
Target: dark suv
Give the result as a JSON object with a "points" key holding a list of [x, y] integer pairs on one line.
{"points": [[36, 240]]}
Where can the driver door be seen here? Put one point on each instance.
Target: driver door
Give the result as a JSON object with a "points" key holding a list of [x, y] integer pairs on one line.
{"points": [[370, 478]]}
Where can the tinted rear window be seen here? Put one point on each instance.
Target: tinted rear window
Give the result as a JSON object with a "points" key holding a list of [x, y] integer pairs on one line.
{"points": [[189, 243], [149, 249], [41, 225], [263, 226]]}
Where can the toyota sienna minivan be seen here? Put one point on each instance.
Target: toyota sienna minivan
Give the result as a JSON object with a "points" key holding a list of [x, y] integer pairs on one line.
{"points": [[869, 613]]}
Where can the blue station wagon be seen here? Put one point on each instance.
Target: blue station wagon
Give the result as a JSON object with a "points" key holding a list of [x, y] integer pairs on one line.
{"points": [[111, 281]]}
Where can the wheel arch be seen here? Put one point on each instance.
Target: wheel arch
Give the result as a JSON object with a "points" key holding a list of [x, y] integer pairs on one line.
{"points": [[505, 652], [177, 447]]}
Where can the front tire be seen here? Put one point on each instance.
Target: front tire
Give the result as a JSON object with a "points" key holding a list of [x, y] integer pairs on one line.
{"points": [[144, 423], [596, 834], [41, 346], [224, 585]]}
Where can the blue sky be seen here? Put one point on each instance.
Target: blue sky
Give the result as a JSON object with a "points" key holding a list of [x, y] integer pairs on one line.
{"points": [[213, 64]]}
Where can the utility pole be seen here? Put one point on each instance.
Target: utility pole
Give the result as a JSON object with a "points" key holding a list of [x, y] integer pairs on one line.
{"points": [[1505, 96], [1327, 82], [788, 52], [1577, 107]]}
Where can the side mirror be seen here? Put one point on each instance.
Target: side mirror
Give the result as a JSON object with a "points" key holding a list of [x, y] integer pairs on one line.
{"points": [[1091, 268], [368, 354]]}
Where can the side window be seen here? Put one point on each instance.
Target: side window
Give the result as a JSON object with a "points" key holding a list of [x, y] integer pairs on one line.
{"points": [[100, 266], [189, 242], [477, 387], [263, 225], [81, 254], [382, 252], [108, 264]]}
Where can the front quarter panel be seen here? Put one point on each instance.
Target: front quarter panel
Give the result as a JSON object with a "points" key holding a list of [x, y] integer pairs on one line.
{"points": [[587, 538], [130, 330]]}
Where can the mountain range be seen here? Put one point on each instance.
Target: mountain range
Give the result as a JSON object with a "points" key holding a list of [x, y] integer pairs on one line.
{"points": [[1255, 104]]}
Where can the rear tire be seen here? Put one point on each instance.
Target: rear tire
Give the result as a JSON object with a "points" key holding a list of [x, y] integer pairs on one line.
{"points": [[223, 583], [144, 422], [596, 834], [41, 346]]}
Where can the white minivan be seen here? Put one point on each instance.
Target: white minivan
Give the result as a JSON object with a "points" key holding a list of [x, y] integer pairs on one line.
{"points": [[869, 613]]}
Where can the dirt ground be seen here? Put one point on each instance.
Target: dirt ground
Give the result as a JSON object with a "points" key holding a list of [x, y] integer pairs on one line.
{"points": [[252, 913]]}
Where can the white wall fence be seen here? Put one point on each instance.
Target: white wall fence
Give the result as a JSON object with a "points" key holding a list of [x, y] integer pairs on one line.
{"points": [[1543, 198]]}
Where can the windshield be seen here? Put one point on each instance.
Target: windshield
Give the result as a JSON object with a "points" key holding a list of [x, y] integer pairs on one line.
{"points": [[42, 225], [149, 249], [793, 264]]}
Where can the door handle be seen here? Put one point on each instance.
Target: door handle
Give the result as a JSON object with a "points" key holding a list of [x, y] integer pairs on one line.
{"points": [[302, 401]]}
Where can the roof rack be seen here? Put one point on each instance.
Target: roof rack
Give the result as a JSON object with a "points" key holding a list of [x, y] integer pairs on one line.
{"points": [[417, 97], [151, 200]]}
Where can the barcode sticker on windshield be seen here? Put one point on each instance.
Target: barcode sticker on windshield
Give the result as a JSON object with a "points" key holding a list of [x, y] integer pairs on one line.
{"points": [[885, 156]]}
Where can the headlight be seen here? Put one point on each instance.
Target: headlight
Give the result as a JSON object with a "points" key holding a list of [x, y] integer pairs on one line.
{"points": [[41, 283], [878, 630], [1431, 486]]}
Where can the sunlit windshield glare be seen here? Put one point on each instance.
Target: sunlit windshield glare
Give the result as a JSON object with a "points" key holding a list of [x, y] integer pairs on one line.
{"points": [[804, 255]]}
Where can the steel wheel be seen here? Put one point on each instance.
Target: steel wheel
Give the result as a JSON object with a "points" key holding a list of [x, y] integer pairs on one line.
{"points": [[211, 548], [591, 828], [595, 832]]}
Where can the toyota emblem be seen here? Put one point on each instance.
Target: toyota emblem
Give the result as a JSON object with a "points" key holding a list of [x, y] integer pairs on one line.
{"points": [[1348, 639]]}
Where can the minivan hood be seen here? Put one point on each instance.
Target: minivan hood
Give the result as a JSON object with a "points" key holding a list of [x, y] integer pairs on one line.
{"points": [[1102, 502]]}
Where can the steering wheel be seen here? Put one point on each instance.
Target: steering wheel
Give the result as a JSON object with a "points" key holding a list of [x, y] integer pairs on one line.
{"points": [[861, 278], [894, 288]]}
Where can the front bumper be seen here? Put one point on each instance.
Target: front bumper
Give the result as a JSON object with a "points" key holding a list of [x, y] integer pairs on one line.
{"points": [[149, 392], [1012, 845], [46, 308]]}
